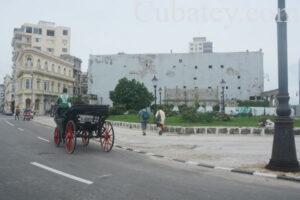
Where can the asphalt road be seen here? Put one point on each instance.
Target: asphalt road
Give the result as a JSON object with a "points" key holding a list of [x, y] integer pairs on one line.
{"points": [[31, 167]]}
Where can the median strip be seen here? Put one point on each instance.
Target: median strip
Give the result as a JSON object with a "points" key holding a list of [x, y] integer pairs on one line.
{"points": [[62, 173]]}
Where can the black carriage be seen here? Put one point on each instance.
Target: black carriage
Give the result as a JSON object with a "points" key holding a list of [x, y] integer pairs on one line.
{"points": [[85, 122]]}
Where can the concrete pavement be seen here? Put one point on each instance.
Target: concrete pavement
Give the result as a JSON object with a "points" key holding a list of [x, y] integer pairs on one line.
{"points": [[116, 175]]}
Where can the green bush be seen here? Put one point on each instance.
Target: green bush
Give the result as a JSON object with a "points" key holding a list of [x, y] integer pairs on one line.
{"points": [[261, 103], [216, 108], [117, 110]]}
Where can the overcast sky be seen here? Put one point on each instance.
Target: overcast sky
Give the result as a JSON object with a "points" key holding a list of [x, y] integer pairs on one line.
{"points": [[157, 26]]}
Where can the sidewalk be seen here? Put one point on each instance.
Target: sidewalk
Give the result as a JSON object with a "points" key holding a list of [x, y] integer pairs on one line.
{"points": [[247, 152]]}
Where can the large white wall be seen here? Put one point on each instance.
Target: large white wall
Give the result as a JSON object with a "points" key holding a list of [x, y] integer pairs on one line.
{"points": [[105, 71]]}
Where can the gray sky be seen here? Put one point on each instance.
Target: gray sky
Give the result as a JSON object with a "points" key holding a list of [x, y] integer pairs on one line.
{"points": [[156, 26]]}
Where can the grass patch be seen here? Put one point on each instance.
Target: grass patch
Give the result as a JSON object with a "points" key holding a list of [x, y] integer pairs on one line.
{"points": [[178, 121]]}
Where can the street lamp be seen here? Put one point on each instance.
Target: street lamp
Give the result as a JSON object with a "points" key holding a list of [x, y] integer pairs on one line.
{"points": [[185, 99], [223, 83], [284, 154], [160, 90], [154, 81]]}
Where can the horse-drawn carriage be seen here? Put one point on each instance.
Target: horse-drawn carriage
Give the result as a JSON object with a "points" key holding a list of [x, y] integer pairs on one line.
{"points": [[85, 122]]}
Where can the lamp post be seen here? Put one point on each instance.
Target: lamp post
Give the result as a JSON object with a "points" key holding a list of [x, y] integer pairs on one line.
{"points": [[154, 81], [223, 83], [185, 95], [159, 91], [284, 155]]}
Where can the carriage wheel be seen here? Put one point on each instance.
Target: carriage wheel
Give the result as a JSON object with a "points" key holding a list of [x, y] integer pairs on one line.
{"points": [[85, 138], [107, 137], [56, 137], [70, 137]]}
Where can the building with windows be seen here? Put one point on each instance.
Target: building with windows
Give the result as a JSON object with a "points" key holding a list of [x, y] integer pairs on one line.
{"points": [[44, 36], [200, 45], [9, 102], [2, 92], [40, 78], [76, 72], [182, 77], [84, 83]]}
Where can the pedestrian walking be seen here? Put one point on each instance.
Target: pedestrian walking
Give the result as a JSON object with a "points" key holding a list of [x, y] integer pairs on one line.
{"points": [[144, 117], [17, 114], [160, 118]]}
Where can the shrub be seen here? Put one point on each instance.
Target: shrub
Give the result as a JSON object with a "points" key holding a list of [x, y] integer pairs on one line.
{"points": [[216, 108], [117, 110]]}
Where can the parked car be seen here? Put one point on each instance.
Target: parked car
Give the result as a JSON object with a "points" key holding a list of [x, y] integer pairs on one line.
{"points": [[27, 114]]}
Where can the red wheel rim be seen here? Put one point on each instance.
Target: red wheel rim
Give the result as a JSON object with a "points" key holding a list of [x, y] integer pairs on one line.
{"points": [[85, 139], [107, 138], [56, 136], [69, 138]]}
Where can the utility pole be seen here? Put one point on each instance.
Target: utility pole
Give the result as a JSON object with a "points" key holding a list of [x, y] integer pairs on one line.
{"points": [[284, 154]]}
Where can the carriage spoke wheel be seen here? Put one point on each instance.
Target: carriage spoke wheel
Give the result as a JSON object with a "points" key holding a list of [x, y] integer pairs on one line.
{"points": [[70, 137], [56, 137], [85, 138], [107, 137]]}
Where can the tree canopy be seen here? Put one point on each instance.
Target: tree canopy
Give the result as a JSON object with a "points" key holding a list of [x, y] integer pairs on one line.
{"points": [[131, 94]]}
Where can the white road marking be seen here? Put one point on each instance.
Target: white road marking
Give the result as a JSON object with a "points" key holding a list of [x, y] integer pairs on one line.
{"points": [[43, 139], [224, 168], [192, 163], [9, 123], [62, 173], [20, 129], [265, 174]]}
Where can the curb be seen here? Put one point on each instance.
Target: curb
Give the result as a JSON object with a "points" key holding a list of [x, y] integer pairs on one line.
{"points": [[232, 170]]}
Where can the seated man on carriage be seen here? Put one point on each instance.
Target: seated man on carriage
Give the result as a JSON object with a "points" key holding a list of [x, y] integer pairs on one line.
{"points": [[63, 104]]}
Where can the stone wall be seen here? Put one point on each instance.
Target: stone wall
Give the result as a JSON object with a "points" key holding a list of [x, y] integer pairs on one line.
{"points": [[203, 130]]}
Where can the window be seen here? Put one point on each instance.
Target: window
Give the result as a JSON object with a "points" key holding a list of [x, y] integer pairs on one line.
{"points": [[58, 87], [46, 85], [52, 86], [50, 50], [64, 71], [210, 66], [50, 32], [29, 61], [59, 70], [46, 65], [52, 67], [196, 67], [37, 39], [195, 78], [252, 98], [38, 63], [38, 48], [28, 29], [70, 73], [209, 87], [222, 66], [38, 83], [239, 88], [227, 87], [239, 77], [65, 32], [28, 84], [37, 31], [180, 60], [174, 66], [65, 50]]}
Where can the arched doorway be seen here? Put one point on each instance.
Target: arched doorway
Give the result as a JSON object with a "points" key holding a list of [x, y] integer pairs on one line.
{"points": [[27, 103]]}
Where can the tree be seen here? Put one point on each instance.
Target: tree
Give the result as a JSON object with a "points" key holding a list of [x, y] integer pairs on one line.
{"points": [[133, 95]]}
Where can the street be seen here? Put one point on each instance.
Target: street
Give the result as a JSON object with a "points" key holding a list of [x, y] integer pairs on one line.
{"points": [[33, 168]]}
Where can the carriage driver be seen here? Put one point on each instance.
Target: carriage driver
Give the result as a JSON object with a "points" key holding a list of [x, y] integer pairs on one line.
{"points": [[63, 103]]}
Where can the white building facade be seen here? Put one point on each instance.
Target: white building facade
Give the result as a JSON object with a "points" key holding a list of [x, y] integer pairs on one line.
{"points": [[200, 45], [187, 72], [44, 36]]}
